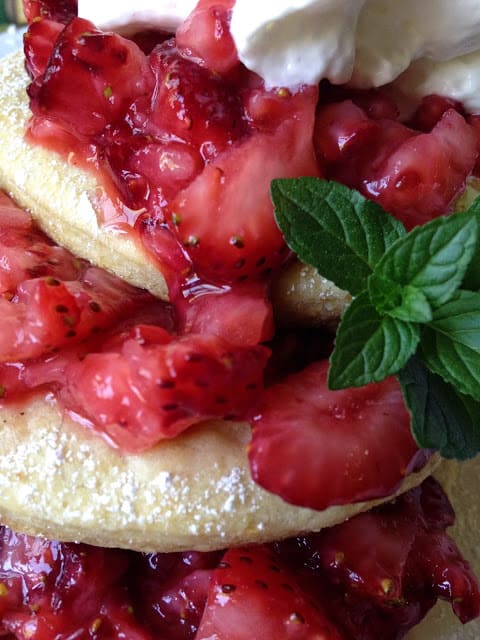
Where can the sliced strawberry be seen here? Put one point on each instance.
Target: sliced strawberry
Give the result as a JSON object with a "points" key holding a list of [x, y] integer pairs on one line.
{"points": [[205, 36], [105, 73], [171, 592], [59, 10], [38, 44], [53, 590], [387, 567], [231, 237], [342, 131], [49, 298], [331, 447], [252, 596], [27, 253], [431, 110], [386, 160], [152, 386], [46, 313], [242, 314], [193, 103], [415, 190]]}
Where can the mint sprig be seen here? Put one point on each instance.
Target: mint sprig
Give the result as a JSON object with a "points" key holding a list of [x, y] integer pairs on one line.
{"points": [[412, 314]]}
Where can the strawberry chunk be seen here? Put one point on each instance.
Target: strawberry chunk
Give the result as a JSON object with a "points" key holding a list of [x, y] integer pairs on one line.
{"points": [[331, 447], [229, 238], [242, 314], [53, 590], [386, 160], [158, 386], [416, 191], [205, 36], [58, 10], [193, 103], [49, 298], [28, 253], [44, 314], [253, 596], [172, 590], [38, 45], [105, 73], [394, 561]]}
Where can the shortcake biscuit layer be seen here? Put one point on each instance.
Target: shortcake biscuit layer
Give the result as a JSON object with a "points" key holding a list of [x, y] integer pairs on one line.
{"points": [[61, 481]]}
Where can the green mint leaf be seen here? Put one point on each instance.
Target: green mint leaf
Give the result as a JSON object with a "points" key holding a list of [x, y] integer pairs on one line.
{"points": [[333, 228], [433, 258], [441, 417], [369, 347], [460, 319], [450, 344], [404, 303], [472, 277]]}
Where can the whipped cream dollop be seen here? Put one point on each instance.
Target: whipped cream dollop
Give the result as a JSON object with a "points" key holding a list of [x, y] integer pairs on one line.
{"points": [[124, 16], [424, 46]]}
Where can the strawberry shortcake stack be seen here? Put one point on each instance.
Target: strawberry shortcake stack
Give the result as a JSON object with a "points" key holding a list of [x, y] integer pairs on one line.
{"points": [[238, 336]]}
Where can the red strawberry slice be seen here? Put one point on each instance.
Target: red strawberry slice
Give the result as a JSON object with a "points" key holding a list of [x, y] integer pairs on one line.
{"points": [[316, 447], [415, 176], [416, 190], [171, 591], [59, 10], [225, 217], [27, 253], [253, 596], [380, 572], [152, 386], [193, 103], [38, 45], [48, 297], [205, 36], [105, 73], [45, 313], [54, 590]]}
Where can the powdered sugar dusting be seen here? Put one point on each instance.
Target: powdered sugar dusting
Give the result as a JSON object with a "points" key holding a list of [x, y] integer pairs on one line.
{"points": [[77, 488]]}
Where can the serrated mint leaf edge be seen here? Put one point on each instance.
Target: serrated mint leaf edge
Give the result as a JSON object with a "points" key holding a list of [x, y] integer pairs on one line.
{"points": [[440, 291]]}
